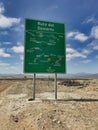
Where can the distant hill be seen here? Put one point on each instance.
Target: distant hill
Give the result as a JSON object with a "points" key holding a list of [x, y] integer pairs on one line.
{"points": [[77, 75], [80, 75]]}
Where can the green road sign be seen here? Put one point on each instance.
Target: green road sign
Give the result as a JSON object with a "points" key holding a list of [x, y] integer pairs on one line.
{"points": [[44, 47]]}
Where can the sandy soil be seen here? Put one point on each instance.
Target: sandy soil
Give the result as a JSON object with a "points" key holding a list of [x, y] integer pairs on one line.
{"points": [[75, 109]]}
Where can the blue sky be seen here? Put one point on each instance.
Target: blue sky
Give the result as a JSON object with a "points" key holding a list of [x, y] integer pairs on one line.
{"points": [[79, 16]]}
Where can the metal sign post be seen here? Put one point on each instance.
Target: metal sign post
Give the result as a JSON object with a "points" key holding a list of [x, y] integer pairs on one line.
{"points": [[55, 86], [34, 86], [44, 50]]}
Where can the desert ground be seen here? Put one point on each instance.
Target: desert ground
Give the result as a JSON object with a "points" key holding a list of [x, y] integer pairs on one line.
{"points": [[76, 107]]}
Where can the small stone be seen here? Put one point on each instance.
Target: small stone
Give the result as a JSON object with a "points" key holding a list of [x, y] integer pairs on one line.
{"points": [[16, 119], [38, 119], [54, 120], [42, 127], [59, 122]]}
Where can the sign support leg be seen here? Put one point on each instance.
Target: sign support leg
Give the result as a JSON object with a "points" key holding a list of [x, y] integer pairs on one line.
{"points": [[34, 86], [55, 86]]}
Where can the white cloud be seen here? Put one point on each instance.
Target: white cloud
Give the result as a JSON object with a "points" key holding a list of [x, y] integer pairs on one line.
{"points": [[81, 37], [10, 69], [6, 43], [18, 28], [6, 22], [72, 34], [86, 61], [21, 57], [72, 53], [1, 8], [93, 45], [3, 32], [18, 49], [91, 19], [86, 51], [94, 32], [77, 36], [3, 53], [19, 44], [70, 50], [2, 64]]}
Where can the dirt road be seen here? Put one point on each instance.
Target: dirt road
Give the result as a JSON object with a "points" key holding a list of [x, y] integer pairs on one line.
{"points": [[76, 108]]}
